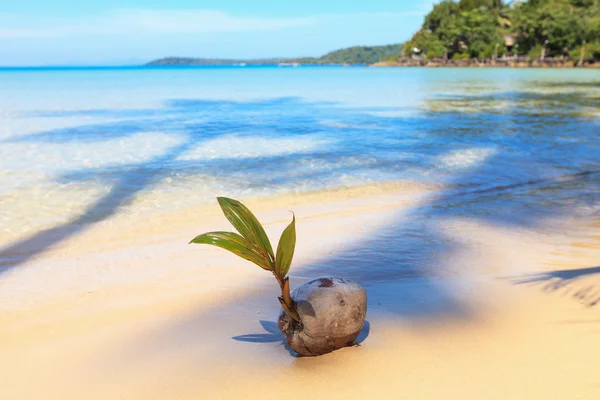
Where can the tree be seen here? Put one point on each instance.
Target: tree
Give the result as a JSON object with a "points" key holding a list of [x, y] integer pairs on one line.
{"points": [[426, 43], [480, 29], [563, 23], [475, 28], [468, 27]]}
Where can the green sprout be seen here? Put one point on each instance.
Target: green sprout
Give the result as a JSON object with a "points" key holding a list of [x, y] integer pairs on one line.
{"points": [[252, 244]]}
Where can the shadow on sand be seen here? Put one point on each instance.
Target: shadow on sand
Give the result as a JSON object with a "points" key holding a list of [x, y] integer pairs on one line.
{"points": [[566, 281], [274, 335], [495, 169]]}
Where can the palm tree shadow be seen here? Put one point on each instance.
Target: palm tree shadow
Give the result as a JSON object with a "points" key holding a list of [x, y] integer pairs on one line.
{"points": [[128, 180], [122, 193], [398, 264], [567, 282], [131, 179]]}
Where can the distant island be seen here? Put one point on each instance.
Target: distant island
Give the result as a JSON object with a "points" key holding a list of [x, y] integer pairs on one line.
{"points": [[473, 33], [357, 55]]}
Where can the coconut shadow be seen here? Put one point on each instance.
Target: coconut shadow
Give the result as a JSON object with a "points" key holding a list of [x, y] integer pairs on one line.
{"points": [[273, 335]]}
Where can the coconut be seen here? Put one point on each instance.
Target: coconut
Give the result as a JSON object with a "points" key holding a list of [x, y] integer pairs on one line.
{"points": [[332, 313]]}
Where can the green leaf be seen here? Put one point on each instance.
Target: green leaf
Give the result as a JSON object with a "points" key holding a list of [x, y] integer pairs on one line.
{"points": [[234, 243], [248, 226], [285, 249]]}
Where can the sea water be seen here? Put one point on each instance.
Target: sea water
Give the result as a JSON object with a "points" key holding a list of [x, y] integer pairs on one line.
{"points": [[86, 144]]}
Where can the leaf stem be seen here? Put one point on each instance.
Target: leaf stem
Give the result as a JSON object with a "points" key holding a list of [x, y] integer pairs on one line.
{"points": [[286, 298]]}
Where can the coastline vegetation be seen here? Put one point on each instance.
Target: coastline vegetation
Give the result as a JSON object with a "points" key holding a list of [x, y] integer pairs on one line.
{"points": [[465, 32], [490, 29]]}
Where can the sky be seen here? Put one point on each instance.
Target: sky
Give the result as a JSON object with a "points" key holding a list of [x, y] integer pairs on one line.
{"points": [[120, 32]]}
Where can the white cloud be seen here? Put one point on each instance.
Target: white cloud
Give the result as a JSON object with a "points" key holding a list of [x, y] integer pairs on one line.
{"points": [[196, 21], [140, 22]]}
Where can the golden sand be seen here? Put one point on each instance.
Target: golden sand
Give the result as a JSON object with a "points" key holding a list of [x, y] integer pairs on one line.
{"points": [[127, 310]]}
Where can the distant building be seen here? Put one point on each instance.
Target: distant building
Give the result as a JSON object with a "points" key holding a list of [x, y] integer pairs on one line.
{"points": [[509, 41]]}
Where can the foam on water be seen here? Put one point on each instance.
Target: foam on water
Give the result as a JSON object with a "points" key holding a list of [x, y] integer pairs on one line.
{"points": [[239, 146], [72, 156], [466, 158]]}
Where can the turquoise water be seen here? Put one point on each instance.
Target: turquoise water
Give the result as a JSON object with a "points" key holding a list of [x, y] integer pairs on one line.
{"points": [[86, 144]]}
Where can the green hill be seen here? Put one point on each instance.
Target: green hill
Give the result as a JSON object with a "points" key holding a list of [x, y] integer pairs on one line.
{"points": [[356, 55]]}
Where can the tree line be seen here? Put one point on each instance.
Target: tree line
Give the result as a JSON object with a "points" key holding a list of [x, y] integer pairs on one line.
{"points": [[486, 29]]}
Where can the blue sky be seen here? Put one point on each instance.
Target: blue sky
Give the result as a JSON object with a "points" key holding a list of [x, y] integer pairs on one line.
{"points": [[64, 32]]}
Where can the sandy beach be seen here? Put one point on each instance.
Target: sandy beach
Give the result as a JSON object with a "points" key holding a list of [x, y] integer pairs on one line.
{"points": [[464, 201], [126, 309]]}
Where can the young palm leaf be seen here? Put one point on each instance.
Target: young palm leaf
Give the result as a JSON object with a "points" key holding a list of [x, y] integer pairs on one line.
{"points": [[248, 226], [234, 243], [252, 244], [285, 249]]}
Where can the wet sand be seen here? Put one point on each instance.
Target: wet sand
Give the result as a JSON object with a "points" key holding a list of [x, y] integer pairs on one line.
{"points": [[127, 309]]}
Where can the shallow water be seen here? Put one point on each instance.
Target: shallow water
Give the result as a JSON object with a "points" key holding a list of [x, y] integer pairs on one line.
{"points": [[83, 145]]}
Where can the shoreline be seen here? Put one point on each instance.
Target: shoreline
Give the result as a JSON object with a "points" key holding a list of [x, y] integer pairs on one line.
{"points": [[134, 313], [124, 236], [411, 63], [484, 64]]}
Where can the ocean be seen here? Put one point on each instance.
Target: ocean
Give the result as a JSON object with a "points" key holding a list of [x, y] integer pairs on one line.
{"points": [[80, 145]]}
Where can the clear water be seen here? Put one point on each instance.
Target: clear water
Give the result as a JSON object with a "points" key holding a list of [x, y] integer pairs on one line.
{"points": [[86, 144]]}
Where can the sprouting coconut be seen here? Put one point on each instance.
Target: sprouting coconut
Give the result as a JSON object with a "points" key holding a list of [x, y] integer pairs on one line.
{"points": [[319, 316]]}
